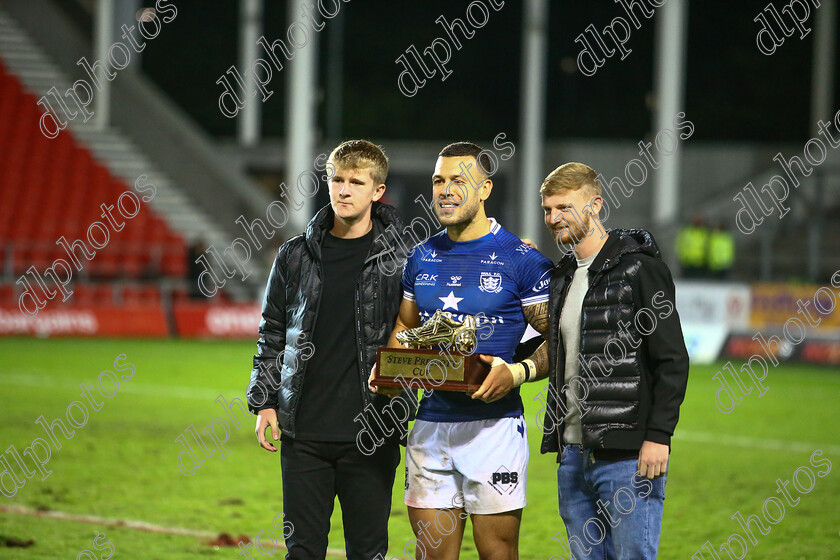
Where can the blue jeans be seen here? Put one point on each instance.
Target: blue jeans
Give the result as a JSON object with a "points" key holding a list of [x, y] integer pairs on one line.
{"points": [[610, 511]]}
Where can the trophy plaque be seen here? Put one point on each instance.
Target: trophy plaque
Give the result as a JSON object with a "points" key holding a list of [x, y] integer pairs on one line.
{"points": [[440, 356]]}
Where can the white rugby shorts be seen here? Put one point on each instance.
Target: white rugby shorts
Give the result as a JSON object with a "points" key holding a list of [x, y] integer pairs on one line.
{"points": [[480, 465]]}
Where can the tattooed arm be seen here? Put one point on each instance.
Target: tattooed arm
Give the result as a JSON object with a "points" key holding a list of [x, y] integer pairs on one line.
{"points": [[537, 317], [504, 377]]}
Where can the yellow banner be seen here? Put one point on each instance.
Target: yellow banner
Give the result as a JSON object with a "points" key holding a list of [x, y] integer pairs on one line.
{"points": [[774, 304]]}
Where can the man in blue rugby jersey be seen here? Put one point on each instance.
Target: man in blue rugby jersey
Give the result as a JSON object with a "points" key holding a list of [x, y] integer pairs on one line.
{"points": [[467, 455]]}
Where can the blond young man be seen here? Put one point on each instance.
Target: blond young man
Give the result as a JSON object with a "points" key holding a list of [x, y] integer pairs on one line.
{"points": [[618, 370], [329, 305]]}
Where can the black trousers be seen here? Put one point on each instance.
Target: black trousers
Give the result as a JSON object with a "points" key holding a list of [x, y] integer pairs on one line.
{"points": [[314, 473]]}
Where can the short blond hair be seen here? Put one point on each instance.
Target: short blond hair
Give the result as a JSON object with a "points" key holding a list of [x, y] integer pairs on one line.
{"points": [[361, 154], [571, 176]]}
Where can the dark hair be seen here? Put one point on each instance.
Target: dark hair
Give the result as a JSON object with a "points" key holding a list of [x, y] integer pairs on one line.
{"points": [[463, 149]]}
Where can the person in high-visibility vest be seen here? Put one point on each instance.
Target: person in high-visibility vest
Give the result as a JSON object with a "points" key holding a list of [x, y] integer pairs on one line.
{"points": [[692, 242], [721, 254]]}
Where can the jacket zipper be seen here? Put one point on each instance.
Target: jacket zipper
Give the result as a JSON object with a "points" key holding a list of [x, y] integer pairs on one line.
{"points": [[590, 283], [366, 399], [580, 338], [556, 372], [359, 345]]}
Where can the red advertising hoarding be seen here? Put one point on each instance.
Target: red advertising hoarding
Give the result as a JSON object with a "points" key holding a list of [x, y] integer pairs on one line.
{"points": [[217, 321], [111, 320]]}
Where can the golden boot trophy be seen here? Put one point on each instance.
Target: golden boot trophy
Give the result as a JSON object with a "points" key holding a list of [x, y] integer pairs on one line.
{"points": [[440, 354]]}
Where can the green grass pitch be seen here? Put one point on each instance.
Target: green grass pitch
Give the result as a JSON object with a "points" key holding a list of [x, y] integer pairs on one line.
{"points": [[122, 463]]}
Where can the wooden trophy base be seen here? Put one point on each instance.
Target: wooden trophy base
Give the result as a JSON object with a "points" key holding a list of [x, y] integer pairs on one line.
{"points": [[441, 371]]}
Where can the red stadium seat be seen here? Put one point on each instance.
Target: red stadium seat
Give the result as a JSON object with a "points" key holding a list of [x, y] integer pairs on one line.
{"points": [[83, 294], [7, 294], [104, 294], [53, 188]]}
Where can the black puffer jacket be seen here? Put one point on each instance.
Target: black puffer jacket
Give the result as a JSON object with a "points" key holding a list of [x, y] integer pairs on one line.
{"points": [[290, 308], [633, 385]]}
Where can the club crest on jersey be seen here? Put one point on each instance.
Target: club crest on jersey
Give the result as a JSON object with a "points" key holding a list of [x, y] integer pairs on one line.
{"points": [[490, 282], [454, 281]]}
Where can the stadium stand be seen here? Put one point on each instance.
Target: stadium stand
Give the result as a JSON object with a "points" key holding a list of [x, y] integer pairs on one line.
{"points": [[53, 188]]}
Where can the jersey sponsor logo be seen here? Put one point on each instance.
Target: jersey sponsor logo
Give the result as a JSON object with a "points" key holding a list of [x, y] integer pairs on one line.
{"points": [[504, 481], [426, 280], [493, 256], [431, 257], [490, 282], [480, 319], [454, 281], [545, 280], [524, 248]]}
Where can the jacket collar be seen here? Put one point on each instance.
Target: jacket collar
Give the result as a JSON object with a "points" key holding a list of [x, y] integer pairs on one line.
{"points": [[382, 215], [619, 242]]}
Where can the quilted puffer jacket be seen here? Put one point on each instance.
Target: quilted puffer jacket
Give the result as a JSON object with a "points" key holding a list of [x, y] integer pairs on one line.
{"points": [[290, 308], [632, 382]]}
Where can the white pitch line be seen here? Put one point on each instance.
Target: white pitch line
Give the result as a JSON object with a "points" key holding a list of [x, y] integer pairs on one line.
{"points": [[753, 442], [128, 524], [81, 518], [193, 393], [157, 391]]}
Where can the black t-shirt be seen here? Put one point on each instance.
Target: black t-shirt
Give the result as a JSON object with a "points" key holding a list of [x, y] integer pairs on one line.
{"points": [[332, 386]]}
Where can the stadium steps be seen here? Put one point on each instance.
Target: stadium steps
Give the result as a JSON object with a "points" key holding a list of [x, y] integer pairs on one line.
{"points": [[787, 236], [114, 149]]}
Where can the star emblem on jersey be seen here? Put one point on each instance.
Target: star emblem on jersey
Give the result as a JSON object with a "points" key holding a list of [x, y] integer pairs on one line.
{"points": [[450, 301], [490, 282]]}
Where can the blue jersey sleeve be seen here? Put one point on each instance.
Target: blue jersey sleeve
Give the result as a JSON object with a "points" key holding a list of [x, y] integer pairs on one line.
{"points": [[534, 274], [408, 276]]}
